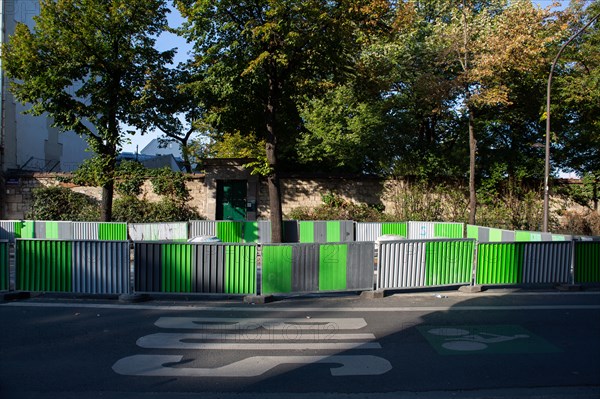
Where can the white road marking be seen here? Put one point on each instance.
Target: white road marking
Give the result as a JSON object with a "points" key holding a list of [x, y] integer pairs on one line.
{"points": [[154, 365], [176, 341], [229, 323], [264, 309]]}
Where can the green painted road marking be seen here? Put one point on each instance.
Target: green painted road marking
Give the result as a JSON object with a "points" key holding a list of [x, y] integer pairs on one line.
{"points": [[485, 339]]}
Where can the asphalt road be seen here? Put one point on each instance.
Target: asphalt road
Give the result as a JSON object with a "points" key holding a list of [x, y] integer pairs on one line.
{"points": [[497, 344]]}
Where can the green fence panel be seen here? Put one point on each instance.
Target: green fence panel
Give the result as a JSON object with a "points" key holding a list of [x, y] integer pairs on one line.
{"points": [[397, 229], [112, 231], [448, 230], [522, 236], [496, 235], [277, 269], [176, 261], [306, 231], [334, 231], [472, 232], [44, 265], [500, 263], [240, 269], [332, 267], [25, 229], [4, 266], [250, 232], [52, 230], [587, 262], [230, 231], [448, 262]]}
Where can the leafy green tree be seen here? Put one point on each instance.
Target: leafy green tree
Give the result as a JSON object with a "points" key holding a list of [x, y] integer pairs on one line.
{"points": [[576, 98], [254, 61], [87, 65]]}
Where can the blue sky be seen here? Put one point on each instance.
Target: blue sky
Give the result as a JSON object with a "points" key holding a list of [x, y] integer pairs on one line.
{"points": [[168, 41]]}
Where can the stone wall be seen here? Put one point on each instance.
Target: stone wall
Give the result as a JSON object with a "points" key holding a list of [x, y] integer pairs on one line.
{"points": [[296, 192]]}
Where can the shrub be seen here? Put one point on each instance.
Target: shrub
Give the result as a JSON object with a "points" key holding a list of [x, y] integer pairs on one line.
{"points": [[336, 208], [60, 203]]}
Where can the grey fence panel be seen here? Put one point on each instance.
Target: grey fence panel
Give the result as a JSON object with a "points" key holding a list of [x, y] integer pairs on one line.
{"points": [[347, 231], [202, 228], [158, 231], [305, 268], [264, 231], [360, 270], [40, 229], [85, 230], [208, 270], [421, 230], [147, 267], [7, 230], [101, 267], [65, 230], [368, 231], [547, 262], [401, 264]]}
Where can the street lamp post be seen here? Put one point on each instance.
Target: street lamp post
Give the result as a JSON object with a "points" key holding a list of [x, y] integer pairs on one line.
{"points": [[547, 158]]}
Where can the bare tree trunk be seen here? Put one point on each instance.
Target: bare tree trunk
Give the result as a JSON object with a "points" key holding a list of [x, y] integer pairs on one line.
{"points": [[107, 201], [472, 161], [271, 149]]}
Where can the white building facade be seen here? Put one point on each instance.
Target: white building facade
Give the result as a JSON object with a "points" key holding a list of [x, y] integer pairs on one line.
{"points": [[30, 143]]}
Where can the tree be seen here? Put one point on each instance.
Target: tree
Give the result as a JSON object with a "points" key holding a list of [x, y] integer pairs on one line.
{"points": [[87, 64], [490, 43], [255, 60]]}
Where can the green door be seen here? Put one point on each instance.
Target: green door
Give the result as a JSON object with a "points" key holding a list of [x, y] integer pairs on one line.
{"points": [[231, 200]]}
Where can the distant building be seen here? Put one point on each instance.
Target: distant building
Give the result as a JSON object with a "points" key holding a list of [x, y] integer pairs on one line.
{"points": [[30, 143], [156, 155]]}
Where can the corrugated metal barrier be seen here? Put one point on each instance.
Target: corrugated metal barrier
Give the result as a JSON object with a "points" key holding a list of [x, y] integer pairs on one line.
{"points": [[195, 268], [94, 267], [524, 263], [424, 263], [426, 230], [303, 268], [100, 231], [318, 231], [13, 229], [177, 231], [489, 234], [233, 231], [372, 231], [587, 262], [4, 265]]}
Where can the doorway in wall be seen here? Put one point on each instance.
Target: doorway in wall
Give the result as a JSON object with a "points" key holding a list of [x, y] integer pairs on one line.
{"points": [[231, 199]]}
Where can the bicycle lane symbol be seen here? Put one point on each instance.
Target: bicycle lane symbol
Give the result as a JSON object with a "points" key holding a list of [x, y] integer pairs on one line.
{"points": [[485, 339]]}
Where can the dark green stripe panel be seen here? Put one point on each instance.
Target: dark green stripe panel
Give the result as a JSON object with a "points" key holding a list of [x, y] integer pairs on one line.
{"points": [[587, 262], [448, 262], [112, 231], [277, 269], [230, 231], [4, 266], [240, 269], [397, 229], [500, 263], [44, 265], [176, 268], [332, 267], [250, 232]]}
